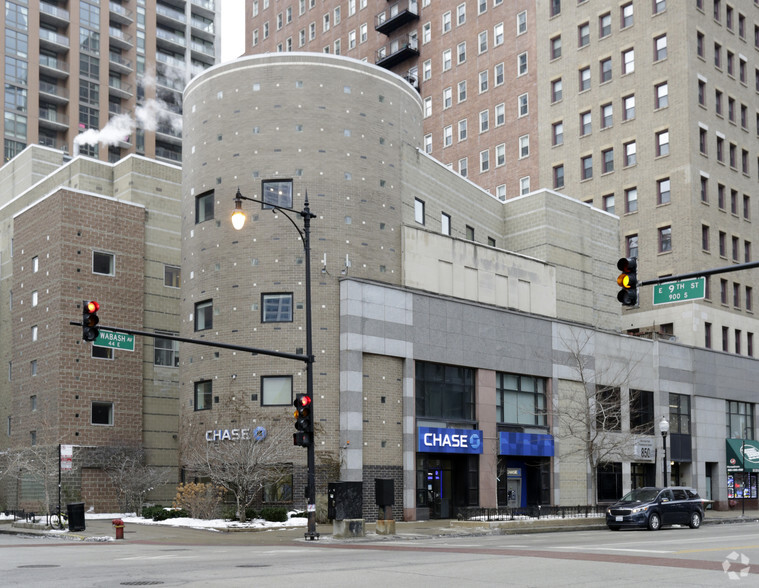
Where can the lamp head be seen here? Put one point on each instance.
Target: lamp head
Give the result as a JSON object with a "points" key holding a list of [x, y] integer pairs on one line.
{"points": [[664, 426], [238, 216]]}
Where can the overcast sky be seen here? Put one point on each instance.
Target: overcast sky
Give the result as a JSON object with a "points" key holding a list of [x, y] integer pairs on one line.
{"points": [[232, 29]]}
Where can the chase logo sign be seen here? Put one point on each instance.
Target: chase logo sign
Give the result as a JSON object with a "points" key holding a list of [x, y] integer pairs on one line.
{"points": [[434, 440]]}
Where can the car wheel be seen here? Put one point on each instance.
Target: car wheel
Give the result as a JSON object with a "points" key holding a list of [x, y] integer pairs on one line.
{"points": [[654, 521], [695, 520], [614, 527]]}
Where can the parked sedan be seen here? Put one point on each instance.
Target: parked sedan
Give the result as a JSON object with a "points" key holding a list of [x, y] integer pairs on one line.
{"points": [[654, 507]]}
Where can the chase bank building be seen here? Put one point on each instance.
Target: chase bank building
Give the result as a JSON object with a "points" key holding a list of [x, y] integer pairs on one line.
{"points": [[452, 332]]}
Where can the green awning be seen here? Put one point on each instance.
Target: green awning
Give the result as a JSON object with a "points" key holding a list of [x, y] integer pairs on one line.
{"points": [[736, 449]]}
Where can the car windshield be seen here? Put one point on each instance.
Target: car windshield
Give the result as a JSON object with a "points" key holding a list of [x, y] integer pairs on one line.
{"points": [[641, 495]]}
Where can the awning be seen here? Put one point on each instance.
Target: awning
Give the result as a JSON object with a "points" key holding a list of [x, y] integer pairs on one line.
{"points": [[735, 452]]}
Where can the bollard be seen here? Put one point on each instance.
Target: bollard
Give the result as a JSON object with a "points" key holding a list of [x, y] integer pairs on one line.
{"points": [[118, 524]]}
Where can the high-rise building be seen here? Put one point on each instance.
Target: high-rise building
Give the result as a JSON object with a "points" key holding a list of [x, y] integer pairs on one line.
{"points": [[617, 104], [71, 66]]}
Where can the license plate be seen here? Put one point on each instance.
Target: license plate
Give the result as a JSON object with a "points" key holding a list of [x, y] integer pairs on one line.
{"points": [[618, 518]]}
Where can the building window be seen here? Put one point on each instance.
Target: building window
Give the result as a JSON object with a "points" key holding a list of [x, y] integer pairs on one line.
{"points": [[725, 342], [523, 105], [584, 79], [172, 276], [556, 90], [498, 74], [447, 136], [705, 237], [631, 155], [446, 23], [203, 392], [500, 114], [558, 176], [484, 161], [661, 95], [522, 64], [663, 191], [500, 155], [524, 185], [642, 412], [749, 298], [35, 298], [427, 107], [462, 91], [483, 81], [586, 167], [660, 48], [469, 232], [464, 167], [679, 414], [102, 413], [609, 481], [444, 391], [604, 25], [524, 146], [555, 47], [722, 244], [276, 390], [557, 133], [608, 401], [740, 420], [482, 42], [555, 7], [607, 160], [447, 60], [165, 352], [627, 15], [484, 120], [662, 143], [35, 264], [607, 118], [103, 263], [708, 335], [585, 123], [608, 203], [462, 130], [498, 35], [445, 224], [204, 315], [605, 68], [204, 207], [583, 34], [419, 211], [665, 239], [521, 22], [520, 400], [628, 61], [33, 367], [277, 308], [447, 98], [628, 102]]}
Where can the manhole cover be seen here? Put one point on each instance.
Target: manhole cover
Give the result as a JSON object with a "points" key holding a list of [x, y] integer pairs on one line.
{"points": [[142, 583], [40, 566], [253, 566]]}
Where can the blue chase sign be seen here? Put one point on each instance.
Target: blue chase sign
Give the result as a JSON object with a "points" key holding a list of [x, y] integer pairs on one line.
{"points": [[434, 440]]}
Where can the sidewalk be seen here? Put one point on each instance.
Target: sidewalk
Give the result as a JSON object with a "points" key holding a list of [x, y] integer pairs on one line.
{"points": [[102, 530]]}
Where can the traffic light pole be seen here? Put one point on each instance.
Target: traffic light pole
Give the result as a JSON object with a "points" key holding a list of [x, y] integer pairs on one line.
{"points": [[717, 270]]}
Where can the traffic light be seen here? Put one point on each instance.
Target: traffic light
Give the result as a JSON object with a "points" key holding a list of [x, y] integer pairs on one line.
{"points": [[90, 330], [304, 421], [628, 281]]}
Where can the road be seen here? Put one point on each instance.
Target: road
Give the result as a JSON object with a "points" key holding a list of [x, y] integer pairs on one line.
{"points": [[671, 557]]}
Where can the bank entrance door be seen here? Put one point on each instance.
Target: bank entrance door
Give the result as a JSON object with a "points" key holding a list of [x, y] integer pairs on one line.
{"points": [[446, 483], [439, 488]]}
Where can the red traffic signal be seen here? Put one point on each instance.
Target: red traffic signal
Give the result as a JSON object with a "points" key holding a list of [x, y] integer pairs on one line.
{"points": [[304, 423], [90, 320], [628, 281]]}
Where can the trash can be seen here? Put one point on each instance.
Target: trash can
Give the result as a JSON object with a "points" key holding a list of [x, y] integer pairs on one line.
{"points": [[76, 516]]}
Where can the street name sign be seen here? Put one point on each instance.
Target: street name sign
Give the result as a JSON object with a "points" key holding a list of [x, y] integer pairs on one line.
{"points": [[114, 340], [694, 289]]}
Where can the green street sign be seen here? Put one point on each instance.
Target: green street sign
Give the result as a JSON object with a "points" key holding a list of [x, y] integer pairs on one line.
{"points": [[681, 291], [114, 340]]}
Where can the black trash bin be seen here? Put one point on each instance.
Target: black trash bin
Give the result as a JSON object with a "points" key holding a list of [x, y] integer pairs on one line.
{"points": [[76, 516]]}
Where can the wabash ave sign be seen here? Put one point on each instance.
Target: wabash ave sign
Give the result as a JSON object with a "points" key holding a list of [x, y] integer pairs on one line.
{"points": [[434, 440]]}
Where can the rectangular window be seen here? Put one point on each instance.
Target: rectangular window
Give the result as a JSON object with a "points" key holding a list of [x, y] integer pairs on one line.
{"points": [[608, 203], [419, 211], [555, 7], [484, 161], [469, 233], [461, 53], [102, 413], [555, 47], [660, 48], [203, 395], [607, 118], [277, 193], [444, 391], [524, 146], [276, 390], [665, 239], [500, 155], [558, 176], [103, 263], [445, 223], [626, 15], [464, 167], [500, 114], [204, 207], [585, 123], [482, 42], [631, 155], [642, 410], [605, 68], [462, 130], [608, 408], [557, 133], [628, 103], [628, 61], [277, 308], [740, 420], [631, 245], [583, 34], [520, 400], [584, 75], [172, 276], [607, 160], [522, 64], [586, 167], [705, 237], [661, 95], [165, 352], [498, 74], [521, 23], [556, 90], [604, 25], [447, 136], [662, 143], [749, 299], [204, 315]]}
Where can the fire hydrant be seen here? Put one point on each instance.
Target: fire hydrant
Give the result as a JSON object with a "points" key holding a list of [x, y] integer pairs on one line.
{"points": [[118, 524]]}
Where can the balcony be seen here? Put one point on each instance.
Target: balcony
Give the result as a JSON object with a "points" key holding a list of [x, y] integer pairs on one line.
{"points": [[397, 51], [53, 67], [203, 52], [53, 41], [117, 88], [171, 40], [119, 38], [54, 15], [119, 14], [169, 60], [53, 142], [54, 93], [169, 16], [203, 28], [205, 7], [118, 63], [173, 84], [412, 77], [168, 153], [50, 119], [169, 134], [396, 15]]}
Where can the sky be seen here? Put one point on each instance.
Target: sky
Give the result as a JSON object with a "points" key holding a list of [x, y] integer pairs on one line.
{"points": [[232, 29]]}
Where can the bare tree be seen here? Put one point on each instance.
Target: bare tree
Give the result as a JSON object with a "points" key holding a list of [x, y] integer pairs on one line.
{"points": [[591, 413], [38, 464], [131, 477], [242, 466]]}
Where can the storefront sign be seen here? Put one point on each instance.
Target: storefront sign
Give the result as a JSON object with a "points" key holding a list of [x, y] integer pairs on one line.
{"points": [[534, 444], [644, 449], [258, 434], [434, 440], [742, 455]]}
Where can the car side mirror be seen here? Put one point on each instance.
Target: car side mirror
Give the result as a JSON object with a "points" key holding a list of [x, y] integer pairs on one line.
{"points": [[665, 499]]}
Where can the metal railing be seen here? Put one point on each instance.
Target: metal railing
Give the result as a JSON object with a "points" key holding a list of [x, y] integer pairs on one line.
{"points": [[476, 513]]}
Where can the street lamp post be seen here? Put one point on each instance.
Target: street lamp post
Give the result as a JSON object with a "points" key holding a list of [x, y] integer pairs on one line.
{"points": [[238, 220], [664, 429]]}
